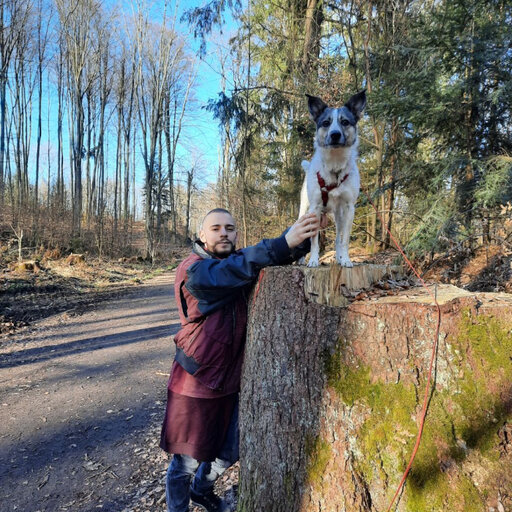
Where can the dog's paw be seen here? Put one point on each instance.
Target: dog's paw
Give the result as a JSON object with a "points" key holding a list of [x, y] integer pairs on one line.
{"points": [[345, 262], [301, 261], [313, 262]]}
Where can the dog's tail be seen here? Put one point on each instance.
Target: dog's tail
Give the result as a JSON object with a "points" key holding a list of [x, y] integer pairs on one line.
{"points": [[305, 165]]}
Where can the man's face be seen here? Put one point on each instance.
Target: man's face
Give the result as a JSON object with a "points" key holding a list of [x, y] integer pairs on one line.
{"points": [[219, 233]]}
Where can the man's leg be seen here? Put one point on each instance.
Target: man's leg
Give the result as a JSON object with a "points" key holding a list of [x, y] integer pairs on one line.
{"points": [[207, 475], [177, 485], [201, 491], [208, 472]]}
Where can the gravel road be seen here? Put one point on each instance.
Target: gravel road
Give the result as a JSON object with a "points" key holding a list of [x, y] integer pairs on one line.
{"points": [[79, 396]]}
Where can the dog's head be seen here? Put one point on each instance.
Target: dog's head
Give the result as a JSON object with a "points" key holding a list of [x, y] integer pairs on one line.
{"points": [[336, 127]]}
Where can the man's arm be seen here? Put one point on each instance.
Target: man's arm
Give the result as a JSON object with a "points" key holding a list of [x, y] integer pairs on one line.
{"points": [[212, 280]]}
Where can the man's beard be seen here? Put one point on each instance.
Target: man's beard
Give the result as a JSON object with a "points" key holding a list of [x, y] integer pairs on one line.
{"points": [[223, 253]]}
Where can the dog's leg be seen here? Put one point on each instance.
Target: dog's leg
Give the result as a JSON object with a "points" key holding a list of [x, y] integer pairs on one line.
{"points": [[315, 246], [315, 252], [304, 200], [344, 218], [304, 206]]}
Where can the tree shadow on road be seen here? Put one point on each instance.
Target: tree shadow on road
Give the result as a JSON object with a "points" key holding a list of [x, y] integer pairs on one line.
{"points": [[38, 354]]}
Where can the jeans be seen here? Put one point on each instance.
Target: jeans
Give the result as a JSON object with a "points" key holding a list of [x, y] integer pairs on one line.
{"points": [[183, 467]]}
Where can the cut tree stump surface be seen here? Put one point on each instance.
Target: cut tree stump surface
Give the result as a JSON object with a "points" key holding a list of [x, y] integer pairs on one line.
{"points": [[445, 293], [325, 284]]}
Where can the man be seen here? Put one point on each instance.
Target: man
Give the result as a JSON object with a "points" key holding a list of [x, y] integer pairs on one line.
{"points": [[212, 287]]}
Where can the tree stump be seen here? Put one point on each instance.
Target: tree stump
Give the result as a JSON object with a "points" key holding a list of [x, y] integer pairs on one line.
{"points": [[331, 397]]}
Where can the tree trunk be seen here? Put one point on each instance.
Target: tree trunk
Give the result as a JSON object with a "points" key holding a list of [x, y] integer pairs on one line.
{"points": [[90, 182], [190, 178], [77, 164], [392, 174], [48, 148], [60, 151], [282, 389], [313, 30], [39, 116], [284, 379], [171, 152], [331, 398], [3, 115], [118, 165], [127, 130], [159, 190]]}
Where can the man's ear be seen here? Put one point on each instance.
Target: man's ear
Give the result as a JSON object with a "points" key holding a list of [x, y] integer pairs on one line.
{"points": [[202, 236]]}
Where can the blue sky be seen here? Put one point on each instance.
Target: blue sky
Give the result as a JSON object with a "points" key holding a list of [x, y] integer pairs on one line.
{"points": [[200, 139], [203, 139]]}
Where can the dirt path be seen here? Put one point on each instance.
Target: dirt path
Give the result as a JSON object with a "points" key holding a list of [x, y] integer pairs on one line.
{"points": [[79, 396]]}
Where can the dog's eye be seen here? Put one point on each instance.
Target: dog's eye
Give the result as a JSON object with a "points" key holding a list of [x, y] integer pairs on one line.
{"points": [[326, 123], [345, 122]]}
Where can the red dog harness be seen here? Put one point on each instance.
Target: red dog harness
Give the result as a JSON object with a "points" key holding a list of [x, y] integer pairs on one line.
{"points": [[327, 188]]}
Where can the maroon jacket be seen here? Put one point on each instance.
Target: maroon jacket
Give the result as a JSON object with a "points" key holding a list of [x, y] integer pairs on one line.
{"points": [[211, 294], [210, 347]]}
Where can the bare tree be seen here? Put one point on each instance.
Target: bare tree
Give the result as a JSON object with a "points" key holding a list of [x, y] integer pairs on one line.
{"points": [[175, 105], [13, 17], [43, 34], [160, 52], [60, 194], [76, 19], [21, 90], [125, 100], [102, 77], [190, 184]]}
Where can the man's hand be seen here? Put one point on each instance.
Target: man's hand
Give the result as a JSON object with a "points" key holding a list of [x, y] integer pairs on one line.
{"points": [[306, 227]]}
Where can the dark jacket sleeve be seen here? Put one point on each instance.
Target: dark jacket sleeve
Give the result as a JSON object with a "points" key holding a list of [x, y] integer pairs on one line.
{"points": [[214, 281], [301, 250]]}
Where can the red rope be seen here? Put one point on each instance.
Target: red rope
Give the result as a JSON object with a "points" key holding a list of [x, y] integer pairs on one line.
{"points": [[432, 357], [257, 290]]}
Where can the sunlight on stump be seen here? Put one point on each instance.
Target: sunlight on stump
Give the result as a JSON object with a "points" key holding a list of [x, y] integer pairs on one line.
{"points": [[331, 397]]}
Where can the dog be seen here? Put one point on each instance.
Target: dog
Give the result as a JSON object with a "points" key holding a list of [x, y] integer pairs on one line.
{"points": [[332, 178]]}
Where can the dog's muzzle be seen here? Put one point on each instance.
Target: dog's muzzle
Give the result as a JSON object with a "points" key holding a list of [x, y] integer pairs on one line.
{"points": [[336, 138]]}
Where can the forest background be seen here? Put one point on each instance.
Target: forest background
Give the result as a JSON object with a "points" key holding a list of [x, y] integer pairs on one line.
{"points": [[98, 105]]}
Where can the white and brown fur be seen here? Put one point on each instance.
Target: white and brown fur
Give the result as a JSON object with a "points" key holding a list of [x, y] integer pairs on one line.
{"points": [[334, 157]]}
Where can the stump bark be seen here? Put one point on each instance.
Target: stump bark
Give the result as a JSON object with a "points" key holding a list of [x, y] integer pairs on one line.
{"points": [[331, 397]]}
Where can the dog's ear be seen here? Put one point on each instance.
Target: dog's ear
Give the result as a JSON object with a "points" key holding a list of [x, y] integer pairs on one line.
{"points": [[357, 103], [316, 106]]}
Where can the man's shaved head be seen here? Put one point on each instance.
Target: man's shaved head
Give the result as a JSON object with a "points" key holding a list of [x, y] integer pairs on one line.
{"points": [[215, 210]]}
